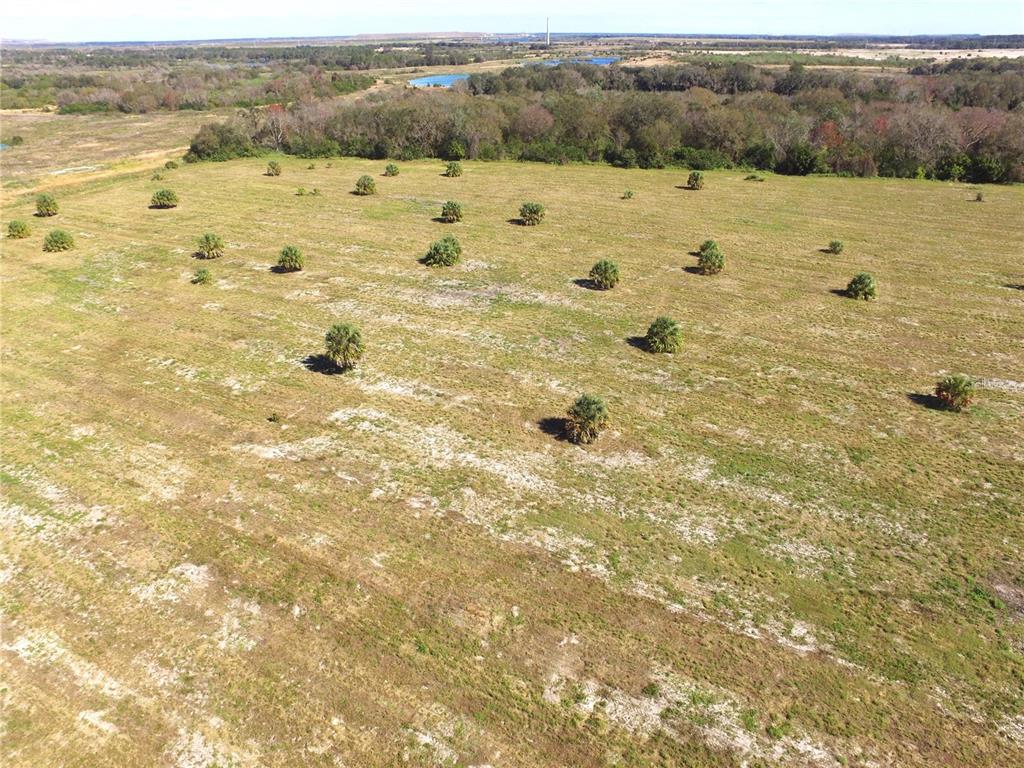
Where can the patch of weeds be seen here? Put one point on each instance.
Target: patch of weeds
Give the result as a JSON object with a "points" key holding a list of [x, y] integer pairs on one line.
{"points": [[748, 718], [652, 689], [858, 455]]}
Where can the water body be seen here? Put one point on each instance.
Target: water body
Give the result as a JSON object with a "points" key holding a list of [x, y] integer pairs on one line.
{"points": [[601, 61], [437, 81]]}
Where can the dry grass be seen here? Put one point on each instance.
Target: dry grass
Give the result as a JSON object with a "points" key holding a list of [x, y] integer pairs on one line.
{"points": [[806, 561]]}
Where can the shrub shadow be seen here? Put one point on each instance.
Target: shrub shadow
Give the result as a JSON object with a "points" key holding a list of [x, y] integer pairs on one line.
{"points": [[638, 342], [693, 270], [554, 427], [1014, 286], [840, 292], [278, 270], [927, 401], [162, 207], [586, 282], [517, 222], [439, 220], [687, 187], [321, 364]]}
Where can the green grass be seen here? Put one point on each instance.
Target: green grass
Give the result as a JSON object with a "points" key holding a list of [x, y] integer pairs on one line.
{"points": [[772, 540]]}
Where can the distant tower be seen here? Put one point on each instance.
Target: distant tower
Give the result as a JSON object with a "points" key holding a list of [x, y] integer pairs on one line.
{"points": [[549, 31]]}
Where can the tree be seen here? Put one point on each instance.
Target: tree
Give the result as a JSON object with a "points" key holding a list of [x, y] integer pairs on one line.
{"points": [[696, 180], [211, 246], [365, 185], [664, 336], [344, 345], [18, 230], [273, 168], [453, 169], [710, 258], [605, 274], [955, 391], [58, 240], [862, 286], [390, 169], [163, 198], [586, 418], [531, 214], [451, 212], [290, 259], [46, 205], [444, 252]]}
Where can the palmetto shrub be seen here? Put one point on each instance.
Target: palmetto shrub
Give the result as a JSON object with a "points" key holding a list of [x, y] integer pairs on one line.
{"points": [[955, 391], [444, 252], [163, 198], [710, 258], [531, 214], [170, 165], [46, 205], [273, 168], [390, 169], [344, 345], [453, 169], [17, 229], [451, 212], [203, 276], [695, 180], [604, 274], [585, 419], [365, 185], [290, 259], [210, 246], [58, 240], [862, 286], [664, 335], [835, 247]]}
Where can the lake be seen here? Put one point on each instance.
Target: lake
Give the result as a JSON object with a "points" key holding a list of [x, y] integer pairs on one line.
{"points": [[437, 81]]}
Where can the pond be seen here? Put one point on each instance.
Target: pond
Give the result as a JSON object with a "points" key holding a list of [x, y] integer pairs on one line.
{"points": [[601, 61], [437, 81]]}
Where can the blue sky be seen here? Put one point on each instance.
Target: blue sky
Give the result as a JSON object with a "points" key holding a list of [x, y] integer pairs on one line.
{"points": [[78, 20]]}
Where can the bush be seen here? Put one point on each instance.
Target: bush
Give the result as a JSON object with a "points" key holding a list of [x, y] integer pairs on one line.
{"points": [[163, 198], [980, 197], [605, 274], [170, 165], [955, 392], [273, 168], [157, 177], [46, 205], [390, 169], [753, 177], [444, 252], [311, 167], [696, 180], [18, 230], [710, 258], [344, 345], [365, 185], [211, 246], [531, 214], [453, 169], [664, 335], [301, 192], [15, 141], [202, 276], [58, 240], [451, 212], [862, 286], [627, 195], [219, 141], [835, 247], [586, 418], [290, 260]]}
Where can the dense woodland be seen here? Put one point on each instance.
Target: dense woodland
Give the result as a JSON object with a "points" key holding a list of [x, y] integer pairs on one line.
{"points": [[963, 122]]}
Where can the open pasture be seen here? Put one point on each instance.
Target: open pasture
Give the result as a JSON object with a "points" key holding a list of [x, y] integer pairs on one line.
{"points": [[215, 553]]}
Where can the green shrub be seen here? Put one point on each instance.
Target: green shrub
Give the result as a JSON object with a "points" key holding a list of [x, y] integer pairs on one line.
{"points": [[344, 345], [753, 177], [627, 195], [979, 197], [15, 141], [453, 169], [605, 274], [311, 167], [18, 230], [170, 165], [586, 418], [58, 240], [211, 246], [531, 214], [862, 286], [273, 168], [955, 391], [696, 180], [451, 212], [202, 276], [390, 169], [835, 247], [443, 253], [664, 335], [163, 198], [46, 205], [710, 258], [157, 177], [301, 192], [365, 185], [290, 259]]}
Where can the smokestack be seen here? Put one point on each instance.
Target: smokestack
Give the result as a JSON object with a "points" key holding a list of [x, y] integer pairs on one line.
{"points": [[549, 32]]}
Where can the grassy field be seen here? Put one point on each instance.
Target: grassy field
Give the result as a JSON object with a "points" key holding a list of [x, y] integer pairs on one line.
{"points": [[779, 554]]}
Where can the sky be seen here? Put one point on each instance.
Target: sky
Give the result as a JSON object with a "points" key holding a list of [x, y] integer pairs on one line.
{"points": [[121, 20]]}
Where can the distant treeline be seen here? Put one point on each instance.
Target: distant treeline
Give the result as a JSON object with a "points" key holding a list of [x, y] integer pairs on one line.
{"points": [[794, 124]]}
